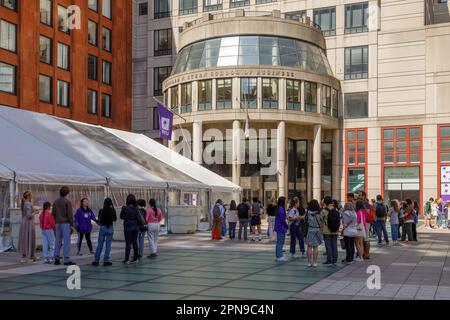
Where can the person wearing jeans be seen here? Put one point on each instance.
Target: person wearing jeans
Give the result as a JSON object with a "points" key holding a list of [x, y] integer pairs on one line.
{"points": [[349, 231], [281, 228], [129, 215], [232, 218], [106, 217], [294, 228], [243, 215], [408, 217], [271, 218], [243, 225], [63, 214], [48, 228], [329, 237], [394, 211], [380, 226]]}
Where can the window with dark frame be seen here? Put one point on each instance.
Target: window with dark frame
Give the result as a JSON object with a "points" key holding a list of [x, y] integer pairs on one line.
{"points": [[46, 10], [92, 102], [186, 98], [45, 50], [401, 145], [92, 68], [356, 159], [239, 3], [310, 96], [8, 36], [45, 88], [249, 93], [356, 63], [106, 39], [107, 9], [63, 93], [163, 42], [63, 19], [92, 33], [10, 4], [106, 105], [143, 9], [204, 95], [212, 5], [224, 93], [7, 78], [270, 92], [161, 8], [326, 19], [356, 17], [106, 72], [93, 5], [356, 105], [293, 94], [63, 56], [160, 74], [187, 7]]}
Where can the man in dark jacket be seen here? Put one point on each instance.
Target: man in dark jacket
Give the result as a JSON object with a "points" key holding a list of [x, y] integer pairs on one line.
{"points": [[63, 214]]}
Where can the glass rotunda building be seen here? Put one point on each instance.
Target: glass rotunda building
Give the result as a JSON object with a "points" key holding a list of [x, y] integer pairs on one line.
{"points": [[258, 103]]}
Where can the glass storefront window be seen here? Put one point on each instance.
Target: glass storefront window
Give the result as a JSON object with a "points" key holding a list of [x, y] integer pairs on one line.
{"points": [[249, 93], [401, 145], [270, 93], [326, 168], [220, 153], [224, 94], [204, 95], [356, 179], [297, 168], [401, 183], [293, 94]]}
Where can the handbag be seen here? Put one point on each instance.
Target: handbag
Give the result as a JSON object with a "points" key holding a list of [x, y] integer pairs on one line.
{"points": [[342, 244], [142, 223]]}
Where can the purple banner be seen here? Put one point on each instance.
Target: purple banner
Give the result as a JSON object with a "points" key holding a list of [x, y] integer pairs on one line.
{"points": [[165, 122]]}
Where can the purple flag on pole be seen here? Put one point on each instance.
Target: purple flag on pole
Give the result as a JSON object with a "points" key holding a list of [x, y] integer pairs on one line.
{"points": [[165, 122]]}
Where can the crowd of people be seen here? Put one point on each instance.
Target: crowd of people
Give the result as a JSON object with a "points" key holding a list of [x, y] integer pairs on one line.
{"points": [[58, 222]]}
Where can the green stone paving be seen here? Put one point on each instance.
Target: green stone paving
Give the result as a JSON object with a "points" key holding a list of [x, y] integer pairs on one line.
{"points": [[177, 275]]}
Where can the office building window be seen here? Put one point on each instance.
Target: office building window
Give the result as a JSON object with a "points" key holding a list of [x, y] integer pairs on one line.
{"points": [[63, 19], [356, 16], [188, 7], [92, 101], [162, 9], [160, 74], [212, 5], [186, 97], [106, 39], [326, 19], [293, 94], [8, 36], [63, 56], [45, 50], [107, 8], [249, 93], [264, 1], [63, 93], [45, 8], [239, 3], [270, 93], [356, 63], [295, 15], [224, 93], [356, 105], [45, 88], [401, 145], [106, 105], [442, 1], [163, 42], [92, 68], [7, 78], [326, 100], [106, 72], [335, 102], [10, 4], [204, 95], [92, 32], [93, 5], [143, 9], [174, 97], [356, 159], [310, 96]]}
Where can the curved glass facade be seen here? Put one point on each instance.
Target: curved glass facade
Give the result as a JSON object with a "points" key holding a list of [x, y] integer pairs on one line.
{"points": [[252, 50]]}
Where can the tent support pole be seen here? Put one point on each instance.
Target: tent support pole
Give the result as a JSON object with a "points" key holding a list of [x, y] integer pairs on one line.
{"points": [[11, 193], [166, 200]]}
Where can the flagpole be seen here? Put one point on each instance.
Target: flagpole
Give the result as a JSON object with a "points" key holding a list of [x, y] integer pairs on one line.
{"points": [[175, 113]]}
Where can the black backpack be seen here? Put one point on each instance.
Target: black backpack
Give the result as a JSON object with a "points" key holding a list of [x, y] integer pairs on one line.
{"points": [[334, 220], [380, 212]]}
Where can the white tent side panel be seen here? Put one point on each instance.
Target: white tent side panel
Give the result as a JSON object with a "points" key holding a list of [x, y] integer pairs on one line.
{"points": [[36, 162], [176, 160], [78, 147]]}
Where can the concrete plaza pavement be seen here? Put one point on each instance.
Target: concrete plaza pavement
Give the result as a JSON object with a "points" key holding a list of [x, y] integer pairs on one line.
{"points": [[194, 267]]}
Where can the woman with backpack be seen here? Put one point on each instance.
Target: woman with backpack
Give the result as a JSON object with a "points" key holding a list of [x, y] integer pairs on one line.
{"points": [[330, 229], [217, 214], [394, 212], [280, 228], [349, 231], [361, 229], [380, 220], [313, 234]]}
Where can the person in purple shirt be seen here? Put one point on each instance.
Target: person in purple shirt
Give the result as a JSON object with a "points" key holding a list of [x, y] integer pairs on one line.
{"points": [[280, 228], [83, 224]]}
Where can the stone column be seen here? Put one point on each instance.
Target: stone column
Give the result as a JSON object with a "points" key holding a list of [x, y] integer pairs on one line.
{"points": [[197, 142], [281, 158], [236, 152], [337, 160], [316, 163]]}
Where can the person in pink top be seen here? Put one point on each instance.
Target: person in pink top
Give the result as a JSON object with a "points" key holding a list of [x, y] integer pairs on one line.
{"points": [[361, 229], [48, 228], [154, 217]]}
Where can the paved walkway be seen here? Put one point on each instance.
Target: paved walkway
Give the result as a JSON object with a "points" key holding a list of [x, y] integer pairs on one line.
{"points": [[410, 271], [194, 267]]}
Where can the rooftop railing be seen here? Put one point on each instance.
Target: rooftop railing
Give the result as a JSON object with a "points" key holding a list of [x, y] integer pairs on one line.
{"points": [[240, 13]]}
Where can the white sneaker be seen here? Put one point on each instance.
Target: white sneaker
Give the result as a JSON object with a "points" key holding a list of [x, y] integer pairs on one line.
{"points": [[309, 265], [315, 265], [359, 259], [282, 259], [295, 256]]}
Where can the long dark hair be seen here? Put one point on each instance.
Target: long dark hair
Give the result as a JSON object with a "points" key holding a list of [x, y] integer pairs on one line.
{"points": [[81, 204], [314, 205], [47, 205], [281, 203], [359, 205], [233, 205], [131, 200], [107, 204], [152, 203]]}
